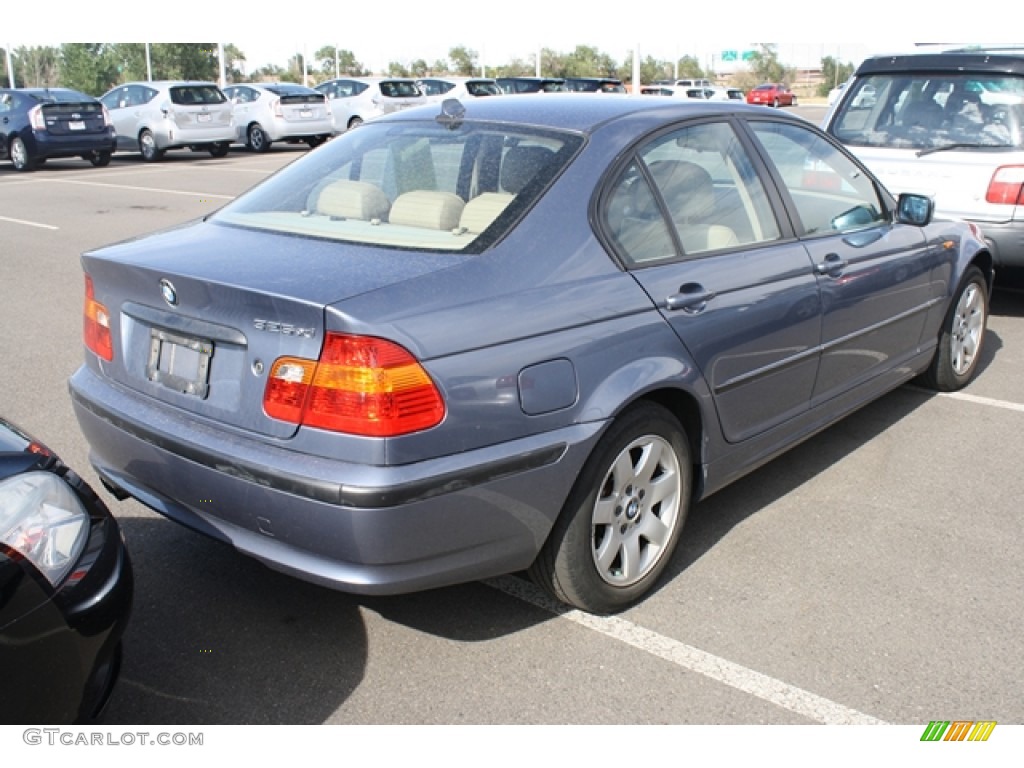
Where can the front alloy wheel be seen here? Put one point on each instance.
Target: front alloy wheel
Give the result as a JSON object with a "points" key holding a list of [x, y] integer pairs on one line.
{"points": [[963, 334], [624, 516]]}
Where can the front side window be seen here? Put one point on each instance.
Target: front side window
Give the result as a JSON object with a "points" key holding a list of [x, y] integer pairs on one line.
{"points": [[933, 110], [692, 191], [414, 185], [829, 191]]}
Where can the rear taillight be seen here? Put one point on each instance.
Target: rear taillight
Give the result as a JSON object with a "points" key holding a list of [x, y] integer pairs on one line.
{"points": [[97, 324], [1007, 186], [35, 117], [106, 117], [275, 106], [361, 385]]}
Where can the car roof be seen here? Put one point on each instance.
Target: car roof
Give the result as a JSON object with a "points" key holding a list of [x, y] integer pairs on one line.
{"points": [[1004, 61], [584, 111]]}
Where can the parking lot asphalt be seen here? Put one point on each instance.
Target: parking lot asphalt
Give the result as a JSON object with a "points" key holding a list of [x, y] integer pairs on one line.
{"points": [[870, 575]]}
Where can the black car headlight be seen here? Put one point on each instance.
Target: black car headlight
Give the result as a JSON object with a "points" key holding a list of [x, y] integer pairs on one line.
{"points": [[42, 519]]}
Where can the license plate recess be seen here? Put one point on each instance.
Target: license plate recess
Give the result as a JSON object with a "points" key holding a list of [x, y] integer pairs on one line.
{"points": [[179, 362]]}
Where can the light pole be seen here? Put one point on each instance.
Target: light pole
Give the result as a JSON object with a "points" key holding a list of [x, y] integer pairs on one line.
{"points": [[10, 66]]}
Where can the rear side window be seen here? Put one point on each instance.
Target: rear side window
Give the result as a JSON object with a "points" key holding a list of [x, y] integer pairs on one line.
{"points": [[197, 94], [694, 190], [932, 110]]}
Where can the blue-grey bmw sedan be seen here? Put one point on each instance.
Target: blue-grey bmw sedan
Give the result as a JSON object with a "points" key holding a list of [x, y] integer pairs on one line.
{"points": [[514, 334]]}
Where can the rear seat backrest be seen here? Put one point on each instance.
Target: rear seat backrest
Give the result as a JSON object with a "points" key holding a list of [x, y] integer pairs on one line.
{"points": [[482, 210], [349, 199], [429, 209]]}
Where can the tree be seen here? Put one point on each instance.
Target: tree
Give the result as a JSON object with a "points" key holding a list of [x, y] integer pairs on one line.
{"points": [[464, 60], [93, 68], [38, 67], [585, 61], [766, 67], [347, 64], [439, 67], [397, 69], [690, 67], [651, 69], [833, 73]]}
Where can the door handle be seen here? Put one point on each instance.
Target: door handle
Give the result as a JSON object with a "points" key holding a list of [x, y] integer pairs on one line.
{"points": [[692, 297], [832, 265]]}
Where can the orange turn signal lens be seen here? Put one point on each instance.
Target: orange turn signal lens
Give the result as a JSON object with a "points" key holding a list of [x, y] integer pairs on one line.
{"points": [[96, 328], [361, 385]]}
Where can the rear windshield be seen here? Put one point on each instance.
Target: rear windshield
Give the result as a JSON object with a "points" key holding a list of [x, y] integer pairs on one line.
{"points": [[197, 94], [932, 110], [419, 185], [61, 96], [399, 88]]}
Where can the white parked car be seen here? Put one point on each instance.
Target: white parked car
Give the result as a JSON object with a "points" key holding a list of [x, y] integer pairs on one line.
{"points": [[153, 117], [269, 112], [440, 88], [722, 93], [354, 100], [949, 125]]}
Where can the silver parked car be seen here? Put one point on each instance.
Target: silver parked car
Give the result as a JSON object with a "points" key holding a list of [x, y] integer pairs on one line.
{"points": [[357, 99], [516, 333], [153, 117], [269, 112]]}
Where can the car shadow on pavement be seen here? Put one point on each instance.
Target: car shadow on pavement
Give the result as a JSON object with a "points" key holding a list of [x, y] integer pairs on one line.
{"points": [[712, 519], [216, 637]]}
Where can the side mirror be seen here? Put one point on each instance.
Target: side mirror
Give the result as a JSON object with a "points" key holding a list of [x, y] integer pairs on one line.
{"points": [[913, 209]]}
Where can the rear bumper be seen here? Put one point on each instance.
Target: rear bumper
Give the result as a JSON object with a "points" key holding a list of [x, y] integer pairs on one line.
{"points": [[281, 129], [1006, 241], [358, 528], [45, 145]]}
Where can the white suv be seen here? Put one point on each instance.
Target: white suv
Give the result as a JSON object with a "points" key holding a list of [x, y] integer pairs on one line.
{"points": [[948, 124]]}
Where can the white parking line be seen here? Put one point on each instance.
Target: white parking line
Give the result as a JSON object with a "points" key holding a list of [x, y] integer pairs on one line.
{"points": [[1004, 404], [776, 692], [28, 223], [136, 189]]}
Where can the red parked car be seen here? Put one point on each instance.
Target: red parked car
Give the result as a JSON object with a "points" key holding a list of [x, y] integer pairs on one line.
{"points": [[772, 94]]}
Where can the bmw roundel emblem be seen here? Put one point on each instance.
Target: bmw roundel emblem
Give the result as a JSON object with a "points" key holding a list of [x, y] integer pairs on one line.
{"points": [[170, 295]]}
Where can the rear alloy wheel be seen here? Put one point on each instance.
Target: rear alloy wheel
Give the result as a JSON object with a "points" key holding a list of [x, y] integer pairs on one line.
{"points": [[20, 157], [962, 337], [257, 138], [99, 159], [147, 146], [220, 149], [315, 141], [624, 516]]}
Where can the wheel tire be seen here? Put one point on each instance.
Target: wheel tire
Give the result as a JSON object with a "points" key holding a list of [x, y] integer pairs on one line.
{"points": [[20, 157], [220, 150], [99, 159], [315, 141], [624, 515], [256, 138], [147, 146], [962, 337], [775, 102], [355, 122]]}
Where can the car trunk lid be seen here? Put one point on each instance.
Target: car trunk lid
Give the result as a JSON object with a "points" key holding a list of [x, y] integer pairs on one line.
{"points": [[201, 314]]}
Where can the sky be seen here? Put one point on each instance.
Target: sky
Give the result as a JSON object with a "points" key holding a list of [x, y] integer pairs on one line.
{"points": [[501, 30]]}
